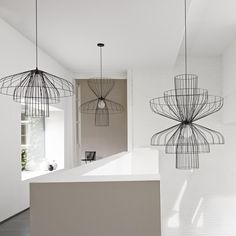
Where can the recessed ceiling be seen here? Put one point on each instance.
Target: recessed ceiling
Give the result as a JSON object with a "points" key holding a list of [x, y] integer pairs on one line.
{"points": [[136, 33]]}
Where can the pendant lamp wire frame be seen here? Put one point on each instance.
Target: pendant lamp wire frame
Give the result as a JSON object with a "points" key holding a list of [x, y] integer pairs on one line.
{"points": [[101, 106], [36, 89], [186, 104]]}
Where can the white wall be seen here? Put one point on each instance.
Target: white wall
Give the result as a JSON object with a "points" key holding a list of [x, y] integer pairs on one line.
{"points": [[54, 138], [229, 83], [17, 54], [147, 83], [202, 202]]}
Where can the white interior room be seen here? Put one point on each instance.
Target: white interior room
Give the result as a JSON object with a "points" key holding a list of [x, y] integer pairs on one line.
{"points": [[89, 162]]}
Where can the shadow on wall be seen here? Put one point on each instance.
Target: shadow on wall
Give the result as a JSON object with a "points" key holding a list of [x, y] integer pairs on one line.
{"points": [[201, 202]]}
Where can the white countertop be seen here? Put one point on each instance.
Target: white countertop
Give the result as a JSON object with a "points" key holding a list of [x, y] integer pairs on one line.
{"points": [[140, 165]]}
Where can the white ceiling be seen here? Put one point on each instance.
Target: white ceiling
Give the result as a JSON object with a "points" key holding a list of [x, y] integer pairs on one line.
{"points": [[136, 33], [211, 26]]}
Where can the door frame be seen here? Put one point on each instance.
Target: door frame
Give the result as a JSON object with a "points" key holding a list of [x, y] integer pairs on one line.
{"points": [[77, 124]]}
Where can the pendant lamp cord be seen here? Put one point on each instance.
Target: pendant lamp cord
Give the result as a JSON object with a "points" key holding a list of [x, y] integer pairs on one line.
{"points": [[185, 36], [36, 32], [101, 69]]}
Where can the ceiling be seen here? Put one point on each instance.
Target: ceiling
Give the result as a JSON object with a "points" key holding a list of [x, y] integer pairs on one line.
{"points": [[136, 33], [211, 26]]}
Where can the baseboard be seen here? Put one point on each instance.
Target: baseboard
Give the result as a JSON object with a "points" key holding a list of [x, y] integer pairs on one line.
{"points": [[13, 216]]}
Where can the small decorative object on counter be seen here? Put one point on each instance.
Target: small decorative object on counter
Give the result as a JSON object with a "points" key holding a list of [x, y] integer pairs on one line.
{"points": [[23, 159], [50, 168]]}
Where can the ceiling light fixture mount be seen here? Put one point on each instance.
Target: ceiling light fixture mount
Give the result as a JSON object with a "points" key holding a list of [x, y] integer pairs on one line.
{"points": [[186, 104], [101, 106], [36, 89], [101, 45]]}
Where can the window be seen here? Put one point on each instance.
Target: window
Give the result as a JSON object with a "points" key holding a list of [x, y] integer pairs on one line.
{"points": [[42, 143], [32, 142]]}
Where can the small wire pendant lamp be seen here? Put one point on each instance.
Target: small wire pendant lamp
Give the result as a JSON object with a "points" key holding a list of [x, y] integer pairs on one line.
{"points": [[101, 106], [186, 104], [36, 89]]}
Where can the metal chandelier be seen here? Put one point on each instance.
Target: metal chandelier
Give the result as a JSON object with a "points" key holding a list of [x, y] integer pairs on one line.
{"points": [[101, 106], [36, 89], [186, 104]]}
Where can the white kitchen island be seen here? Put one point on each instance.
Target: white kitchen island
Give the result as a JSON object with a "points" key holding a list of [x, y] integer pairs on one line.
{"points": [[115, 196]]}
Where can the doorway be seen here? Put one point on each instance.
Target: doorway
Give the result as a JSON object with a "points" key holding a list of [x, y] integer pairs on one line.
{"points": [[105, 140]]}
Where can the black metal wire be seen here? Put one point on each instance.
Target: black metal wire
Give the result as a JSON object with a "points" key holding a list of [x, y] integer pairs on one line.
{"points": [[36, 33], [36, 89], [92, 106], [187, 161], [185, 37], [101, 87], [101, 70], [96, 84], [186, 104], [102, 116]]}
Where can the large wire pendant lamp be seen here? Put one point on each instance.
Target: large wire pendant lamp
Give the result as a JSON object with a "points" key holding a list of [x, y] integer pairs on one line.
{"points": [[186, 104], [101, 106], [36, 89]]}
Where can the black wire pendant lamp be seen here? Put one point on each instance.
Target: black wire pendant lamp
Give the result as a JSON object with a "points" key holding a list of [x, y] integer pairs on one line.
{"points": [[186, 104], [101, 106], [36, 89]]}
